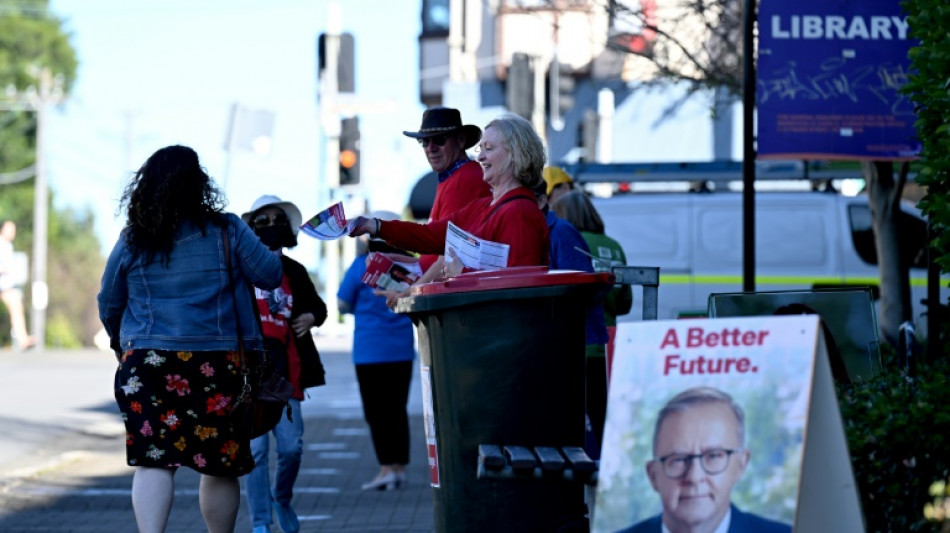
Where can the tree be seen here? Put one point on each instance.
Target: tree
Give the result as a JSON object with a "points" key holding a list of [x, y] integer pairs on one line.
{"points": [[693, 41], [884, 197], [700, 42], [32, 39], [929, 88]]}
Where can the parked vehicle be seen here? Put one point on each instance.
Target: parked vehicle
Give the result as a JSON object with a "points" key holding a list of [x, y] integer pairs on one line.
{"points": [[804, 239]]}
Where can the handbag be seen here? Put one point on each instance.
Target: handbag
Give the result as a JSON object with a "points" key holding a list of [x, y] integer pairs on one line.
{"points": [[258, 408], [265, 393]]}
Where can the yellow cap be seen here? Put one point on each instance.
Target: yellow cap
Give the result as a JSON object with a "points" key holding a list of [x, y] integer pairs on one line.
{"points": [[555, 176]]}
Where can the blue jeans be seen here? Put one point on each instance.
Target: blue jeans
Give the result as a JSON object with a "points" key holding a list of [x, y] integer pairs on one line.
{"points": [[289, 438]]}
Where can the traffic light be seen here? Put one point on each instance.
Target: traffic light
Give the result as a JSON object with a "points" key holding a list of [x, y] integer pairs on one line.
{"points": [[345, 61], [560, 93], [350, 151], [587, 132], [519, 86]]}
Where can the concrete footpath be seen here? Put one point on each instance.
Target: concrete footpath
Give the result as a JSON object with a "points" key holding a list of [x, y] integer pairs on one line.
{"points": [[62, 453]]}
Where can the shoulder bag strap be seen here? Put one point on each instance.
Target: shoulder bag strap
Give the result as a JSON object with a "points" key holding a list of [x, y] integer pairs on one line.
{"points": [[242, 358], [506, 200]]}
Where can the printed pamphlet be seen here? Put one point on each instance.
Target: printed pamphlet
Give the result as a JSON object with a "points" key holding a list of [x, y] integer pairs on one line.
{"points": [[384, 273], [329, 224], [475, 253]]}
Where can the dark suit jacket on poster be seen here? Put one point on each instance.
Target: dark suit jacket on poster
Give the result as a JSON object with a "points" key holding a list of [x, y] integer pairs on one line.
{"points": [[741, 523]]}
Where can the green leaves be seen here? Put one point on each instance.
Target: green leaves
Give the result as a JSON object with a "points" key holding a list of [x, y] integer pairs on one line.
{"points": [[898, 434], [928, 88]]}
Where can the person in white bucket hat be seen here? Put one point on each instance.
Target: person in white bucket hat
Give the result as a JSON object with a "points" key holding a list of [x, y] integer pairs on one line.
{"points": [[287, 315]]}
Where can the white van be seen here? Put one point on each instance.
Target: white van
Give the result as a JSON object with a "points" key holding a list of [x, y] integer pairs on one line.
{"points": [[804, 240]]}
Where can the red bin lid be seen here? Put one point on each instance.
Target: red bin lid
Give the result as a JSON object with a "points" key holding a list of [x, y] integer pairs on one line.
{"points": [[511, 278]]}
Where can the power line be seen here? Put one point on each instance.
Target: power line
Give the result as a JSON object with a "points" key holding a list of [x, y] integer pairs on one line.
{"points": [[17, 176]]}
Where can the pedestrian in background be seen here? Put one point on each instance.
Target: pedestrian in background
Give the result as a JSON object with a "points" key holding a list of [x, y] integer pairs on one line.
{"points": [[558, 183], [383, 352], [10, 293], [287, 314], [173, 308], [576, 208]]}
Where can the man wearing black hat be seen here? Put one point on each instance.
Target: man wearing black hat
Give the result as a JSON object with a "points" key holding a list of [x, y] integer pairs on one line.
{"points": [[444, 140]]}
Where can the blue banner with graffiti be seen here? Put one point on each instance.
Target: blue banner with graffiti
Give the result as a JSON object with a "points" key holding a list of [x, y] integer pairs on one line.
{"points": [[828, 80]]}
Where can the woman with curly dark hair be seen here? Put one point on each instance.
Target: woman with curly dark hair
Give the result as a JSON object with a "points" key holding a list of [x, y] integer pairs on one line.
{"points": [[167, 301]]}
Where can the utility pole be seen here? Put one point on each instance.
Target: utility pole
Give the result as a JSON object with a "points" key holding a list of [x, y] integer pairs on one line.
{"points": [[40, 289], [49, 93]]}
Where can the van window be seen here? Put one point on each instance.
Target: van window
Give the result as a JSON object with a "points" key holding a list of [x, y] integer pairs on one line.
{"points": [[653, 230], [913, 233]]}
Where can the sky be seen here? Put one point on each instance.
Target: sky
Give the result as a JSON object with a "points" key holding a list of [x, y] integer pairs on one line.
{"points": [[158, 72]]}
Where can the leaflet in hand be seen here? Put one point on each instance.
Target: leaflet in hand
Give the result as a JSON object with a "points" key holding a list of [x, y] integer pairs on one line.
{"points": [[329, 224], [475, 253], [384, 273]]}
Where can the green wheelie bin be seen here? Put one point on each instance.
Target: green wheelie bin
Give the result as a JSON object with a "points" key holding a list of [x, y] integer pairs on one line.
{"points": [[502, 361]]}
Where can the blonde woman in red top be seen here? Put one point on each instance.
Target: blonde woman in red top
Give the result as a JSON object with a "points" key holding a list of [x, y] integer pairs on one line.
{"points": [[512, 157]]}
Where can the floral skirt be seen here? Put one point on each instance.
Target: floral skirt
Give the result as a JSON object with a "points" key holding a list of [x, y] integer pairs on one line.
{"points": [[175, 406]]}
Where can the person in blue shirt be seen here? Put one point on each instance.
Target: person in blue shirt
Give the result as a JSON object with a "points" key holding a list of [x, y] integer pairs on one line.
{"points": [[383, 352], [567, 249]]}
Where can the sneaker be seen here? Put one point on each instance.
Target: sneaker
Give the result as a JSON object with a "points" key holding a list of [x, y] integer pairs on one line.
{"points": [[287, 518]]}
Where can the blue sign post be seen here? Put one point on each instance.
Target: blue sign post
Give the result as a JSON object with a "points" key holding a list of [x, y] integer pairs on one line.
{"points": [[829, 80]]}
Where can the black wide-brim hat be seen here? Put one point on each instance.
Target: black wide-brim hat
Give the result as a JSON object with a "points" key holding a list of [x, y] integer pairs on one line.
{"points": [[442, 120]]}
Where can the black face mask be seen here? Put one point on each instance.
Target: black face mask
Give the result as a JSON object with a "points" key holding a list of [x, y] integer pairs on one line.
{"points": [[276, 237]]}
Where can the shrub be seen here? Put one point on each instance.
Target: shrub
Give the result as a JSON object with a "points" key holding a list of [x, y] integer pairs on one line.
{"points": [[898, 431]]}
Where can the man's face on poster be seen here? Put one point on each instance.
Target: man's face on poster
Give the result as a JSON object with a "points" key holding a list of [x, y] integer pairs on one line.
{"points": [[703, 437]]}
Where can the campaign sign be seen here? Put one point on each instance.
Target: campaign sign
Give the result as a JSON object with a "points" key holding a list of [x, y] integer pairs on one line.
{"points": [[828, 80], [717, 420]]}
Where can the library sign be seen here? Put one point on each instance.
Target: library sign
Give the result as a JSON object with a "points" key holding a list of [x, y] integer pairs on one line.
{"points": [[829, 78]]}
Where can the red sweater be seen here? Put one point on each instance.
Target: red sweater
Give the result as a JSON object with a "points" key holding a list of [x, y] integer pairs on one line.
{"points": [[457, 191], [514, 220]]}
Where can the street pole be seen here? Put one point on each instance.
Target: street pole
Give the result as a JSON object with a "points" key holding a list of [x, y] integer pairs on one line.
{"points": [[748, 147], [229, 146], [329, 111], [605, 126], [537, 113]]}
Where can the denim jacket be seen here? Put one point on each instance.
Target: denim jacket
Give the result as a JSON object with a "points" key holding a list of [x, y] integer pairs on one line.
{"points": [[187, 304]]}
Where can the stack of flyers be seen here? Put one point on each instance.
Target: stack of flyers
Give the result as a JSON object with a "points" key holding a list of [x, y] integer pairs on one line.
{"points": [[384, 273], [329, 224]]}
